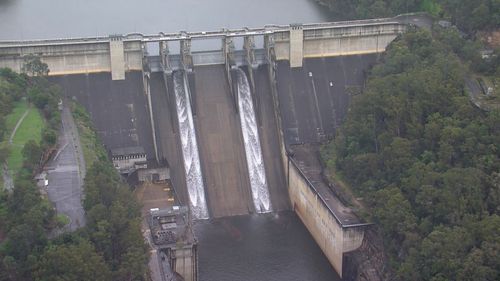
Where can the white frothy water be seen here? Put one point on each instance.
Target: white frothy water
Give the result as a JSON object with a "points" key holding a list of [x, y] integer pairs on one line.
{"points": [[260, 192], [194, 178]]}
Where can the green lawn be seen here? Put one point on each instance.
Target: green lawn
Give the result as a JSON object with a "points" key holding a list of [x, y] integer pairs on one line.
{"points": [[30, 129], [11, 120]]}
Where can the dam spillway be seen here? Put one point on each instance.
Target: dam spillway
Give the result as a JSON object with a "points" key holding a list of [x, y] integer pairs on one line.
{"points": [[194, 178], [221, 145], [255, 161]]}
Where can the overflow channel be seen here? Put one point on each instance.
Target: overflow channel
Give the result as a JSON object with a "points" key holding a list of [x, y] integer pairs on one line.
{"points": [[255, 161], [194, 178]]}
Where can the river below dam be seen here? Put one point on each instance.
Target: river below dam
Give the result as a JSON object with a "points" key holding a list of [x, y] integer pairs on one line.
{"points": [[264, 247]]}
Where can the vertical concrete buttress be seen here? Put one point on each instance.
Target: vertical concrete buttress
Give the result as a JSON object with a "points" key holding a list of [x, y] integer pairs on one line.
{"points": [[164, 57], [117, 55], [296, 45], [228, 53], [186, 57]]}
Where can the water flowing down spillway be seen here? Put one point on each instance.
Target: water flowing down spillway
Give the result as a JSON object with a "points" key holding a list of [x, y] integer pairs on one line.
{"points": [[194, 178], [255, 161]]}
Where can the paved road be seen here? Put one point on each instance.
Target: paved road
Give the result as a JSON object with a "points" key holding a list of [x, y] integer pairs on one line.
{"points": [[473, 89], [66, 172], [421, 20]]}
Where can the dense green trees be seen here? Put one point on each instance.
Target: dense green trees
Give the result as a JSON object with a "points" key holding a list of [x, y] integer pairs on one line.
{"points": [[113, 222], [426, 161], [33, 66], [110, 247], [469, 15], [71, 262], [472, 14], [362, 9]]}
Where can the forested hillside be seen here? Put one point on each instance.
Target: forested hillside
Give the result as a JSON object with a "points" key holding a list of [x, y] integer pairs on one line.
{"points": [[110, 247], [426, 161], [469, 15]]}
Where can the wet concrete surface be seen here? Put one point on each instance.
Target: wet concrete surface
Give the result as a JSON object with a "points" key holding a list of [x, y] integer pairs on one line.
{"points": [[271, 247], [118, 108], [314, 99], [269, 140], [66, 172], [220, 144], [167, 132]]}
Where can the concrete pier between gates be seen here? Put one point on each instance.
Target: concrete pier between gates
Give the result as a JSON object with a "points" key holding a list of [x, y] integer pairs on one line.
{"points": [[220, 143]]}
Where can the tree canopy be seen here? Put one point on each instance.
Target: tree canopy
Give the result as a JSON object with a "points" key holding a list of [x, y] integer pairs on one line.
{"points": [[110, 247], [427, 163], [469, 15]]}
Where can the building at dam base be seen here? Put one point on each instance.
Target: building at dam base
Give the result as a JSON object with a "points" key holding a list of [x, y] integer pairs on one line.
{"points": [[300, 83]]}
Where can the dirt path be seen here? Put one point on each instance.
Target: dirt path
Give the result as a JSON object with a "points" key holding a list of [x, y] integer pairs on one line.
{"points": [[6, 174], [18, 124]]}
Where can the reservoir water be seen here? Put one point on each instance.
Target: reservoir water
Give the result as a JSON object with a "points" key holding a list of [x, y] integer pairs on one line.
{"points": [[254, 247], [35, 19]]}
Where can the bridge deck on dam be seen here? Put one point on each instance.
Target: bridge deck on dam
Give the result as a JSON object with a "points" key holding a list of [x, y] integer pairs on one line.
{"points": [[118, 108], [220, 144], [269, 140], [167, 132], [314, 99]]}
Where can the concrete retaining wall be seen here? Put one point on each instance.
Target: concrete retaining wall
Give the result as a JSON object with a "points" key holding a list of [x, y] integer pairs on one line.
{"points": [[333, 238], [185, 262], [318, 220]]}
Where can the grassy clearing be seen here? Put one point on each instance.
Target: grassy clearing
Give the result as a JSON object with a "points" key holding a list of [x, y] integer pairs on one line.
{"points": [[431, 7], [18, 111], [30, 129], [62, 220]]}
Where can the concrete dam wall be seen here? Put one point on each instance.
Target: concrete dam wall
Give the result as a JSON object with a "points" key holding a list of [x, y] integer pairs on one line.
{"points": [[314, 98], [118, 109], [185, 110]]}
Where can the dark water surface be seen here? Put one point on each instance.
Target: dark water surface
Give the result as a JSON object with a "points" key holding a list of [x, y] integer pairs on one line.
{"points": [[269, 247], [35, 19]]}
